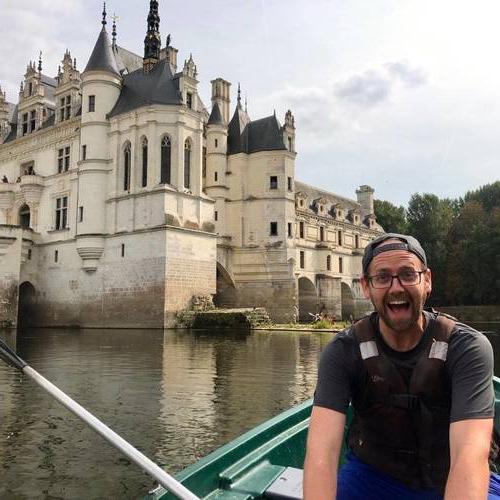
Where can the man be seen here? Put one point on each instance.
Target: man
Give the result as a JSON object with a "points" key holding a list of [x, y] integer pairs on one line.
{"points": [[421, 388]]}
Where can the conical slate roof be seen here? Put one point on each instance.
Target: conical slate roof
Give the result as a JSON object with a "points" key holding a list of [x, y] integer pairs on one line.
{"points": [[102, 57], [235, 137], [141, 89], [215, 116]]}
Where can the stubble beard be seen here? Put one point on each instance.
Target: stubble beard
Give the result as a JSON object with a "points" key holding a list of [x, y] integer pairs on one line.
{"points": [[416, 305]]}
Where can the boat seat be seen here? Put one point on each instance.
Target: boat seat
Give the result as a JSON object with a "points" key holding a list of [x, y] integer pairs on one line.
{"points": [[287, 486]]}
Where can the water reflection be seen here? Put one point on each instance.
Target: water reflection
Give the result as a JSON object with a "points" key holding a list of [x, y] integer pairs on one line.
{"points": [[175, 395]]}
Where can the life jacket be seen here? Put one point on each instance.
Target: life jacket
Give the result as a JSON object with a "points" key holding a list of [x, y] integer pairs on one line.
{"points": [[399, 428]]}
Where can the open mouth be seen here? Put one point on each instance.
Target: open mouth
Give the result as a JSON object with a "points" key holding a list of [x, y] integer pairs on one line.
{"points": [[398, 306]]}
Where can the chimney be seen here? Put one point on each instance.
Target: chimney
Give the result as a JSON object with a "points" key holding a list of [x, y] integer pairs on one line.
{"points": [[365, 199], [221, 96]]}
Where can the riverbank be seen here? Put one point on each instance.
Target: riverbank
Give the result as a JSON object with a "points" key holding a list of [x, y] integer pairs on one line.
{"points": [[319, 327], [474, 314]]}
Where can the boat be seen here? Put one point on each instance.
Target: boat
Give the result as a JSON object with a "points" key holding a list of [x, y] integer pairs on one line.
{"points": [[264, 463]]}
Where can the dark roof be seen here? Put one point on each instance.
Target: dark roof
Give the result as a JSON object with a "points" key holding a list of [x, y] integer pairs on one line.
{"points": [[141, 89], [102, 57], [246, 136], [313, 193], [235, 139], [125, 60], [265, 135], [48, 80], [215, 116]]}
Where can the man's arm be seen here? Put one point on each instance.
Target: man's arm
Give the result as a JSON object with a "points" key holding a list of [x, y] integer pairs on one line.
{"points": [[324, 441], [469, 450]]}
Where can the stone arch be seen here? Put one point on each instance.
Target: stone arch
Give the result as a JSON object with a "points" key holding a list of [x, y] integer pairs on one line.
{"points": [[226, 289], [348, 301], [26, 305], [24, 216], [126, 160], [308, 299]]}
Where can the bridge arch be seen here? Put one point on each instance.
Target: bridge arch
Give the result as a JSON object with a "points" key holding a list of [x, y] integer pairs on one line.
{"points": [[308, 299], [26, 305], [348, 301], [226, 289]]}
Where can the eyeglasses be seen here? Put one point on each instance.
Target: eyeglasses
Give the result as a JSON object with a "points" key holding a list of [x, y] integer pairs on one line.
{"points": [[408, 277]]}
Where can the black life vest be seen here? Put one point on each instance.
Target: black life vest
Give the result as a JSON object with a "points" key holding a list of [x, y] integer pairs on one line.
{"points": [[399, 428]]}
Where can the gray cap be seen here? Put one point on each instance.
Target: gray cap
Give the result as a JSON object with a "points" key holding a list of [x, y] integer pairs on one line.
{"points": [[408, 243]]}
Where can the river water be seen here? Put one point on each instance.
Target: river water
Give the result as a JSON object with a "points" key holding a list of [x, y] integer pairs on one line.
{"points": [[175, 395]]}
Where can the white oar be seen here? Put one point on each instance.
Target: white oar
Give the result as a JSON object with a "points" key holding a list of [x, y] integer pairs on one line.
{"points": [[148, 466]]}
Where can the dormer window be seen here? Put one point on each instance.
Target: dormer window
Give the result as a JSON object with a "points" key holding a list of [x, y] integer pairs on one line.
{"points": [[189, 100], [30, 88], [65, 108], [91, 103], [25, 123], [32, 120]]}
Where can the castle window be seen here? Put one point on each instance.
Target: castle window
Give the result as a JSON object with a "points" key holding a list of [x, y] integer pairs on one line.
{"points": [[65, 108], [301, 229], [289, 229], [29, 253], [290, 145], [356, 241], [126, 167], [56, 255], [84, 152], [216, 215], [216, 143], [144, 162], [321, 233], [166, 149], [204, 161], [328, 263], [302, 259], [273, 182], [216, 176], [80, 214], [341, 265], [24, 216], [123, 249], [91, 103], [301, 203], [32, 120], [273, 229], [25, 123], [63, 157], [339, 238], [68, 107], [61, 213], [187, 164], [290, 184], [30, 88], [189, 100]]}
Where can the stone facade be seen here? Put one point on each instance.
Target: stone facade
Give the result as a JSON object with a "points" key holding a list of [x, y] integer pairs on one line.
{"points": [[123, 199]]}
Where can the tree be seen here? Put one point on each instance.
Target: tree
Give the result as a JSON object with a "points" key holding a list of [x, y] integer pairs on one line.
{"points": [[429, 220], [390, 217]]}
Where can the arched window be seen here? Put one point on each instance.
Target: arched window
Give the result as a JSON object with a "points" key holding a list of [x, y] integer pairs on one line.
{"points": [[24, 216], [144, 162], [166, 151], [126, 167], [187, 164]]}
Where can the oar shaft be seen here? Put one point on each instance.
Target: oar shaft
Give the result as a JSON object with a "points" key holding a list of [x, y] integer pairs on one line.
{"points": [[118, 442]]}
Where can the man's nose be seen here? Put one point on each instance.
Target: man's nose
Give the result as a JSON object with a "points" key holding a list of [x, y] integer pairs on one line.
{"points": [[396, 284]]}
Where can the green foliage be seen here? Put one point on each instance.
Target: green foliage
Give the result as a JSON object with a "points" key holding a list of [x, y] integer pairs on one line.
{"points": [[322, 324], [390, 217], [461, 238]]}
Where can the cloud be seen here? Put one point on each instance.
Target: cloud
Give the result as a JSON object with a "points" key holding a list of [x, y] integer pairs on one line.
{"points": [[410, 76], [375, 86], [370, 88]]}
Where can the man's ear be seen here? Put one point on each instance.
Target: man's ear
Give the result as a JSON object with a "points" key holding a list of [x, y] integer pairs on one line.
{"points": [[365, 285], [428, 282]]}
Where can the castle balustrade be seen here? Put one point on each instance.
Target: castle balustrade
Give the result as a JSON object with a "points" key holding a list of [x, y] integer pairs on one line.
{"points": [[32, 187], [7, 191]]}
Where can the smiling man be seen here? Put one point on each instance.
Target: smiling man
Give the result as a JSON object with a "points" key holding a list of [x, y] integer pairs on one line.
{"points": [[421, 388]]}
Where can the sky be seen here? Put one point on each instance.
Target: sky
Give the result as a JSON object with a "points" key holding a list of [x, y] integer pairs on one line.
{"points": [[402, 95]]}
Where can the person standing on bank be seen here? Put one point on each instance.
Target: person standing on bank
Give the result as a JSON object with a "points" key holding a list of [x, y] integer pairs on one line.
{"points": [[421, 388]]}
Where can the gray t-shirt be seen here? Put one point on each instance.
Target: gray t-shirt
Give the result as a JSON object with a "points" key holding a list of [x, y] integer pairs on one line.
{"points": [[468, 367]]}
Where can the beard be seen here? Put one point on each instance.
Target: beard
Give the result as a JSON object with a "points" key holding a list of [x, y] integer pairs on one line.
{"points": [[400, 311]]}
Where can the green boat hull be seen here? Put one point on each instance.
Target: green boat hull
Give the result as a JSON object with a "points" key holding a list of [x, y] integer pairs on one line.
{"points": [[246, 467]]}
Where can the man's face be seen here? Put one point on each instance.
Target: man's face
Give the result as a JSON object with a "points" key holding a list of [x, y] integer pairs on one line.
{"points": [[399, 306]]}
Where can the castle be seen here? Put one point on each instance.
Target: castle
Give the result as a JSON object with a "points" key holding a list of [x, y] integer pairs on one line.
{"points": [[124, 200]]}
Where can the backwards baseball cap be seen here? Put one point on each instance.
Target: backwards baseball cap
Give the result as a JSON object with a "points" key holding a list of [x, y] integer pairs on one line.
{"points": [[408, 243]]}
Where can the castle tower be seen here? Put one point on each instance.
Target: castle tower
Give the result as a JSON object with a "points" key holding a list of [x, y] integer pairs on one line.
{"points": [[152, 42], [101, 84], [216, 167], [365, 199]]}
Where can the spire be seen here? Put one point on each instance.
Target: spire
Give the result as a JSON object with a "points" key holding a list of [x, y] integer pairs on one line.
{"points": [[40, 63], [102, 57], [104, 15], [246, 104], [152, 42], [239, 95], [113, 33]]}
